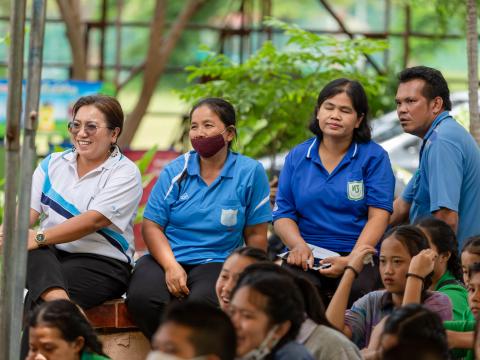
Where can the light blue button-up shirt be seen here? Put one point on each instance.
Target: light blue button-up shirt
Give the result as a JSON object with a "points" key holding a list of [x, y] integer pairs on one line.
{"points": [[448, 176], [205, 223]]}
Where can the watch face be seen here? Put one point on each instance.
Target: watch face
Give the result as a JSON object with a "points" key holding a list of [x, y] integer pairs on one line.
{"points": [[40, 237]]}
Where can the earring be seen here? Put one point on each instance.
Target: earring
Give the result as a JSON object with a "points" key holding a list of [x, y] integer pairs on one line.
{"points": [[113, 150], [74, 148]]}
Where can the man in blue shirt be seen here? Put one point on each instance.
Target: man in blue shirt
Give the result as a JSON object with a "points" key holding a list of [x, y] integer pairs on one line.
{"points": [[447, 182]]}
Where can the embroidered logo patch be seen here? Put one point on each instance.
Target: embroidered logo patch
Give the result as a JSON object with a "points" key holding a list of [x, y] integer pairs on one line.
{"points": [[229, 217], [355, 190]]}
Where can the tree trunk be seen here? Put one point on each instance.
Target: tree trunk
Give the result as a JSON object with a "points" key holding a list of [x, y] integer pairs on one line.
{"points": [[70, 11], [159, 51], [472, 54]]}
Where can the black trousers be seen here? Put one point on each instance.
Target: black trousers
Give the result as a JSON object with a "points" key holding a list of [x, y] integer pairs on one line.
{"points": [[368, 280], [88, 279], [148, 295]]}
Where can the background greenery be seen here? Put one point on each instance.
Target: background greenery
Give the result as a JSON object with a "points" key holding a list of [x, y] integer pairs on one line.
{"points": [[275, 90], [163, 123]]}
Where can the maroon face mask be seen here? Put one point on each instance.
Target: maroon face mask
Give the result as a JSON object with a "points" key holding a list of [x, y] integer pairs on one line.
{"points": [[208, 146]]}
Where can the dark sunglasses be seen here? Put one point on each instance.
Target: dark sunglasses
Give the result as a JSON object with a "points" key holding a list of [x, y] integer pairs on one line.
{"points": [[90, 128]]}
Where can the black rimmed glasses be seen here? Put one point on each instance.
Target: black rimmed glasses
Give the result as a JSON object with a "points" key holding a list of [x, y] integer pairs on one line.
{"points": [[90, 128]]}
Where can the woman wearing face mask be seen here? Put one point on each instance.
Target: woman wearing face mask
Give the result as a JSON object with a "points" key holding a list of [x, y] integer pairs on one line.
{"points": [[316, 333], [267, 311], [59, 331], [205, 204]]}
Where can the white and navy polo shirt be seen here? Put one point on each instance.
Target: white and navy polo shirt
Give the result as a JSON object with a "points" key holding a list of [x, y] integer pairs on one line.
{"points": [[331, 209], [205, 223], [113, 189]]}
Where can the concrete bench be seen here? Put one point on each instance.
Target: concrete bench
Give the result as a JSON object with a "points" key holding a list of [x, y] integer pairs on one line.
{"points": [[121, 338]]}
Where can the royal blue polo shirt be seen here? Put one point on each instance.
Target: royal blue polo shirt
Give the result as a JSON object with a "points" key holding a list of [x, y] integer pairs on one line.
{"points": [[448, 176], [331, 210], [206, 223]]}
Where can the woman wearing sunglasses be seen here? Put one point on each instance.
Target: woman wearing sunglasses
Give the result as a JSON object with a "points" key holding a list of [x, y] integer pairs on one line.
{"points": [[86, 199]]}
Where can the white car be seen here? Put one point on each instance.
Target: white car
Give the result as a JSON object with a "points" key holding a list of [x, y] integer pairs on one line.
{"points": [[403, 149]]}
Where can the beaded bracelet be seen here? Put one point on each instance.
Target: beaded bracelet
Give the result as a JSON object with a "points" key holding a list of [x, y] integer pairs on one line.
{"points": [[353, 269], [415, 276]]}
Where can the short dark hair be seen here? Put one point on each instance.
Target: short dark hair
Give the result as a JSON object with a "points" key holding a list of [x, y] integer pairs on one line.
{"points": [[212, 329], [357, 95], [415, 350], [314, 306], [472, 245], [69, 320], [411, 237], [444, 239], [435, 83], [473, 269], [284, 301], [415, 324], [414, 240], [109, 106], [251, 252], [222, 108]]}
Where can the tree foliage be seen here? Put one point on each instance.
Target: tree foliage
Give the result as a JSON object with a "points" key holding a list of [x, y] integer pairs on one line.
{"points": [[275, 90]]}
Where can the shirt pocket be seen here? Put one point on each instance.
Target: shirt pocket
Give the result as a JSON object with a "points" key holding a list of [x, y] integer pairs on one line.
{"points": [[230, 215], [420, 190]]}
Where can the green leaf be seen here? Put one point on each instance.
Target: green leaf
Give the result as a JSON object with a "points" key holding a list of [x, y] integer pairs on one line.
{"points": [[274, 91], [146, 159]]}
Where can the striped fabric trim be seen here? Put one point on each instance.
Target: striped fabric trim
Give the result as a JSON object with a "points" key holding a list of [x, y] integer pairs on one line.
{"points": [[355, 151], [62, 207], [176, 177], [261, 203], [310, 148]]}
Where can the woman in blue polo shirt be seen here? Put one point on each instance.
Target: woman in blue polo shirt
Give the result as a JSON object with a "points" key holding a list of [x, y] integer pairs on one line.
{"points": [[336, 189], [205, 204]]}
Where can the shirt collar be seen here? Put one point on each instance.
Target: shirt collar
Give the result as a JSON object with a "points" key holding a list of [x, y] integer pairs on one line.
{"points": [[313, 148], [442, 116], [446, 277], [193, 166], [71, 157], [386, 302], [312, 152]]}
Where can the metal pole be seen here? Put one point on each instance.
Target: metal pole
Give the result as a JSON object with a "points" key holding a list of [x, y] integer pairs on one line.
{"points": [[406, 37], [241, 43], [118, 43], [386, 25], [472, 56], [9, 340], [101, 72], [28, 158]]}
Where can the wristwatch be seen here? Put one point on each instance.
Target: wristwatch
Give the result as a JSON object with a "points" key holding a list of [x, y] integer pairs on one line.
{"points": [[40, 238]]}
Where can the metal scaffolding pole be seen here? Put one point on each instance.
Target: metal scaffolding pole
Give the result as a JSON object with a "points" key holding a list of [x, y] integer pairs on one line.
{"points": [[9, 285], [15, 277]]}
